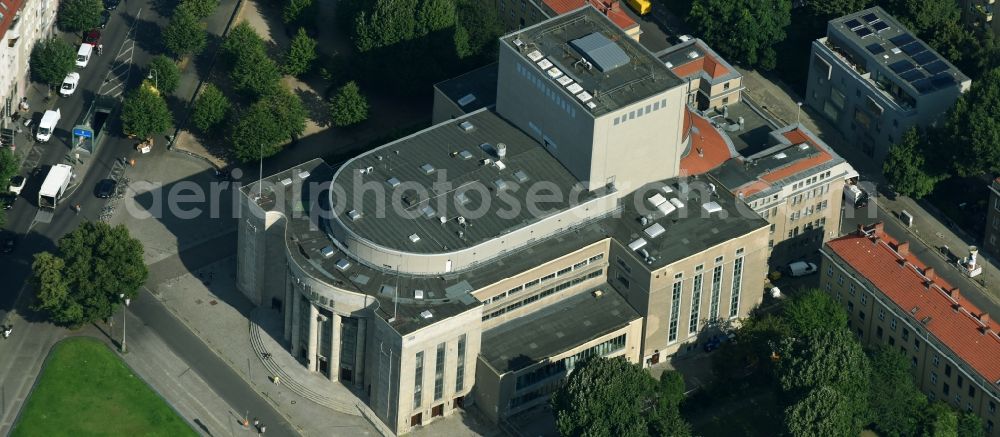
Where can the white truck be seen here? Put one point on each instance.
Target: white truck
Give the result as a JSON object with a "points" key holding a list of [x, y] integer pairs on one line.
{"points": [[54, 186], [855, 197], [48, 124], [83, 55]]}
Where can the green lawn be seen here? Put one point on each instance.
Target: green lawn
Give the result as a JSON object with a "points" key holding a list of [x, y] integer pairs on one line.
{"points": [[86, 390]]}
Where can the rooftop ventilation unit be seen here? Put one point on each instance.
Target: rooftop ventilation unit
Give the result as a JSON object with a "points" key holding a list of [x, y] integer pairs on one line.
{"points": [[303, 174], [427, 211], [668, 64], [574, 88], [414, 238], [896, 50], [584, 97], [354, 215], [418, 294], [343, 264], [466, 99], [711, 207], [466, 126], [676, 202], [605, 54], [666, 208], [500, 184], [520, 176], [544, 64], [655, 231], [666, 189], [327, 251], [518, 43], [462, 198], [637, 244], [501, 150], [460, 220], [393, 182], [564, 81], [427, 169], [486, 161], [780, 155], [554, 73], [692, 55], [500, 165], [598, 293], [426, 314], [286, 181], [804, 146], [657, 199], [465, 155], [535, 56]]}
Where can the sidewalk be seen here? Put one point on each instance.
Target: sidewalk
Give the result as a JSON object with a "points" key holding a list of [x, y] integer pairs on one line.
{"points": [[779, 100]]}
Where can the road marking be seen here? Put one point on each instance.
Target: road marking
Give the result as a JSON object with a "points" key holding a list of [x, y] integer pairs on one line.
{"points": [[120, 71]]}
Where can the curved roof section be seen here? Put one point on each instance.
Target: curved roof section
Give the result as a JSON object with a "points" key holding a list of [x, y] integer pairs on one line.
{"points": [[452, 187]]}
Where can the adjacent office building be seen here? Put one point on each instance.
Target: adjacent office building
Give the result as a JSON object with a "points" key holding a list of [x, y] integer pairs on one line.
{"points": [[895, 300], [874, 80], [991, 241], [712, 82], [480, 260]]}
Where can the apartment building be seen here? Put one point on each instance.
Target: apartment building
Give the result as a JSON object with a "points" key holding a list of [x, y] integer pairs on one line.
{"points": [[797, 185], [712, 82], [894, 299], [518, 14], [422, 272], [991, 241], [22, 24], [874, 80]]}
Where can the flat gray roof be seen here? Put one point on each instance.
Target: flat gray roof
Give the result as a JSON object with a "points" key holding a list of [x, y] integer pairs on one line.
{"points": [[472, 90], [881, 39], [451, 152], [622, 72], [755, 134], [559, 327]]}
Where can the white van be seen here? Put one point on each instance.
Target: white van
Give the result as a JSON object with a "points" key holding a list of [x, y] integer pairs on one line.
{"points": [[83, 55], [47, 125]]}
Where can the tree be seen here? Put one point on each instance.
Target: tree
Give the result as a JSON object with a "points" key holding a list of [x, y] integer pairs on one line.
{"points": [[905, 166], [79, 15], [971, 128], [145, 113], [480, 25], [8, 166], [606, 397], [970, 425], [825, 10], [744, 31], [201, 9], [210, 108], [263, 129], [81, 282], [893, 398], [184, 34], [923, 17], [823, 412], [940, 420], [755, 343], [384, 23], [434, 16], [166, 75], [301, 54], [255, 74], [294, 10], [242, 39], [671, 388], [348, 106], [814, 311], [51, 60]]}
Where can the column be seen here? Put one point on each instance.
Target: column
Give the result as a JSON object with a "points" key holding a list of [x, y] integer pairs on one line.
{"points": [[359, 354], [313, 334], [288, 307], [335, 347], [296, 322]]}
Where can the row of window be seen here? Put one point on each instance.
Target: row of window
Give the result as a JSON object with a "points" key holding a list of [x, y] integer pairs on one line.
{"points": [[796, 186], [805, 212], [543, 86], [569, 363], [632, 115], [534, 282], [547, 292], [815, 192], [439, 360]]}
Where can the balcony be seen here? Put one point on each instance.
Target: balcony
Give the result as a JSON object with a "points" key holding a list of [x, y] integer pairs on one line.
{"points": [[866, 77]]}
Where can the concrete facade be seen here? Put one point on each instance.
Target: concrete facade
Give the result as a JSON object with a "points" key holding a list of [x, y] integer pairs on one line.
{"points": [[865, 81], [23, 23]]}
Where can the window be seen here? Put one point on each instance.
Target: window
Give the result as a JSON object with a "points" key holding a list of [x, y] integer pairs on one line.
{"points": [[936, 360], [695, 304], [933, 377], [460, 370], [892, 325], [861, 315], [947, 370], [850, 307], [881, 313], [564, 271], [992, 407], [853, 289], [946, 389], [892, 341], [772, 228], [716, 290], [675, 307], [878, 332], [725, 86], [916, 344], [418, 379], [840, 279], [906, 334], [734, 303], [829, 270], [960, 380], [596, 258], [439, 372], [548, 276], [972, 391], [623, 280], [624, 265]]}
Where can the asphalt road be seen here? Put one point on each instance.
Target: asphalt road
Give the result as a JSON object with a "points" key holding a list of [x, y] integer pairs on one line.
{"points": [[40, 235]]}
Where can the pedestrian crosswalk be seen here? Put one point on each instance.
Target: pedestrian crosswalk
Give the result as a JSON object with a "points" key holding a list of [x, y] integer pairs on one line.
{"points": [[121, 66]]}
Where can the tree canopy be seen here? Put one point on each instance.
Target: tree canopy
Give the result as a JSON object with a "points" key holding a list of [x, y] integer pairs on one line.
{"points": [[145, 112], [814, 310], [972, 130], [81, 282], [241, 39], [294, 10], [264, 128], [743, 31], [210, 108], [824, 411], [201, 9], [612, 397], [894, 398], [253, 72], [905, 166], [301, 54], [184, 34], [79, 15], [166, 75], [348, 106], [51, 60]]}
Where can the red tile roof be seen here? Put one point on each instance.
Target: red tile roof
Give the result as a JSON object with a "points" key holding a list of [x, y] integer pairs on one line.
{"points": [[614, 12], [706, 63], [708, 141], [874, 257]]}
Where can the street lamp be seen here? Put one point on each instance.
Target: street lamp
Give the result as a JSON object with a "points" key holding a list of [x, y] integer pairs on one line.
{"points": [[124, 317], [798, 109], [155, 77]]}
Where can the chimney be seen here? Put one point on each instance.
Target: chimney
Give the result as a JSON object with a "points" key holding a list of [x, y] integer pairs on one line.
{"points": [[954, 294], [903, 249], [861, 230], [985, 318], [879, 228], [929, 273]]}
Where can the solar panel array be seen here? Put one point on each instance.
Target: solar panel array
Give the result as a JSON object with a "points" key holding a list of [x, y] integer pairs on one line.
{"points": [[924, 70]]}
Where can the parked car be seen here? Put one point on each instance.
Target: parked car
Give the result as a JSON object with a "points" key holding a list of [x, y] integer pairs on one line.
{"points": [[92, 37], [801, 268], [684, 38], [105, 188], [105, 17], [111, 4], [17, 184], [69, 84]]}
